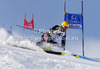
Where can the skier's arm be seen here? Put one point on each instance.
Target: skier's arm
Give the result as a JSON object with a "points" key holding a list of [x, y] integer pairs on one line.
{"points": [[53, 28]]}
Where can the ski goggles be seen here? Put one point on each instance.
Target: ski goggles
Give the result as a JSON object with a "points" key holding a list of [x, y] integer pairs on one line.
{"points": [[65, 27]]}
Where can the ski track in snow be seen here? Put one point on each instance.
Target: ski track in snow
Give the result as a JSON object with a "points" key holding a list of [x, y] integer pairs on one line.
{"points": [[17, 58]]}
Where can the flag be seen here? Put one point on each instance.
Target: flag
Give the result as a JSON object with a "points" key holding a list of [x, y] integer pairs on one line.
{"points": [[75, 20], [29, 25]]}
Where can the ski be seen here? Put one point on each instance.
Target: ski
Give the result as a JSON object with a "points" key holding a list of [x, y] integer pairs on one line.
{"points": [[49, 50], [54, 52]]}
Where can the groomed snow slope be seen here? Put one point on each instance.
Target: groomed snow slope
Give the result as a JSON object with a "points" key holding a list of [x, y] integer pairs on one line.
{"points": [[18, 58]]}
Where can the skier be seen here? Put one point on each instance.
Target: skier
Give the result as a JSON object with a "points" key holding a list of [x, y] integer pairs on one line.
{"points": [[55, 33]]}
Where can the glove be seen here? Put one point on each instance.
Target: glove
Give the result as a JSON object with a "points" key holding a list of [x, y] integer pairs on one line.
{"points": [[63, 44]]}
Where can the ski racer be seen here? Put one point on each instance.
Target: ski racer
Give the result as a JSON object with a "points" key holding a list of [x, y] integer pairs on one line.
{"points": [[55, 33]]}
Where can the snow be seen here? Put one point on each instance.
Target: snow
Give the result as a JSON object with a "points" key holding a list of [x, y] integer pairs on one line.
{"points": [[17, 58]]}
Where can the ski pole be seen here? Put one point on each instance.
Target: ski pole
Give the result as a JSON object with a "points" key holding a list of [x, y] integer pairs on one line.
{"points": [[28, 28]]}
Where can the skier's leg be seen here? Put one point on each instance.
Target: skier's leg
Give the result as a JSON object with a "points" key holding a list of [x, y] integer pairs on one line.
{"points": [[46, 37]]}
